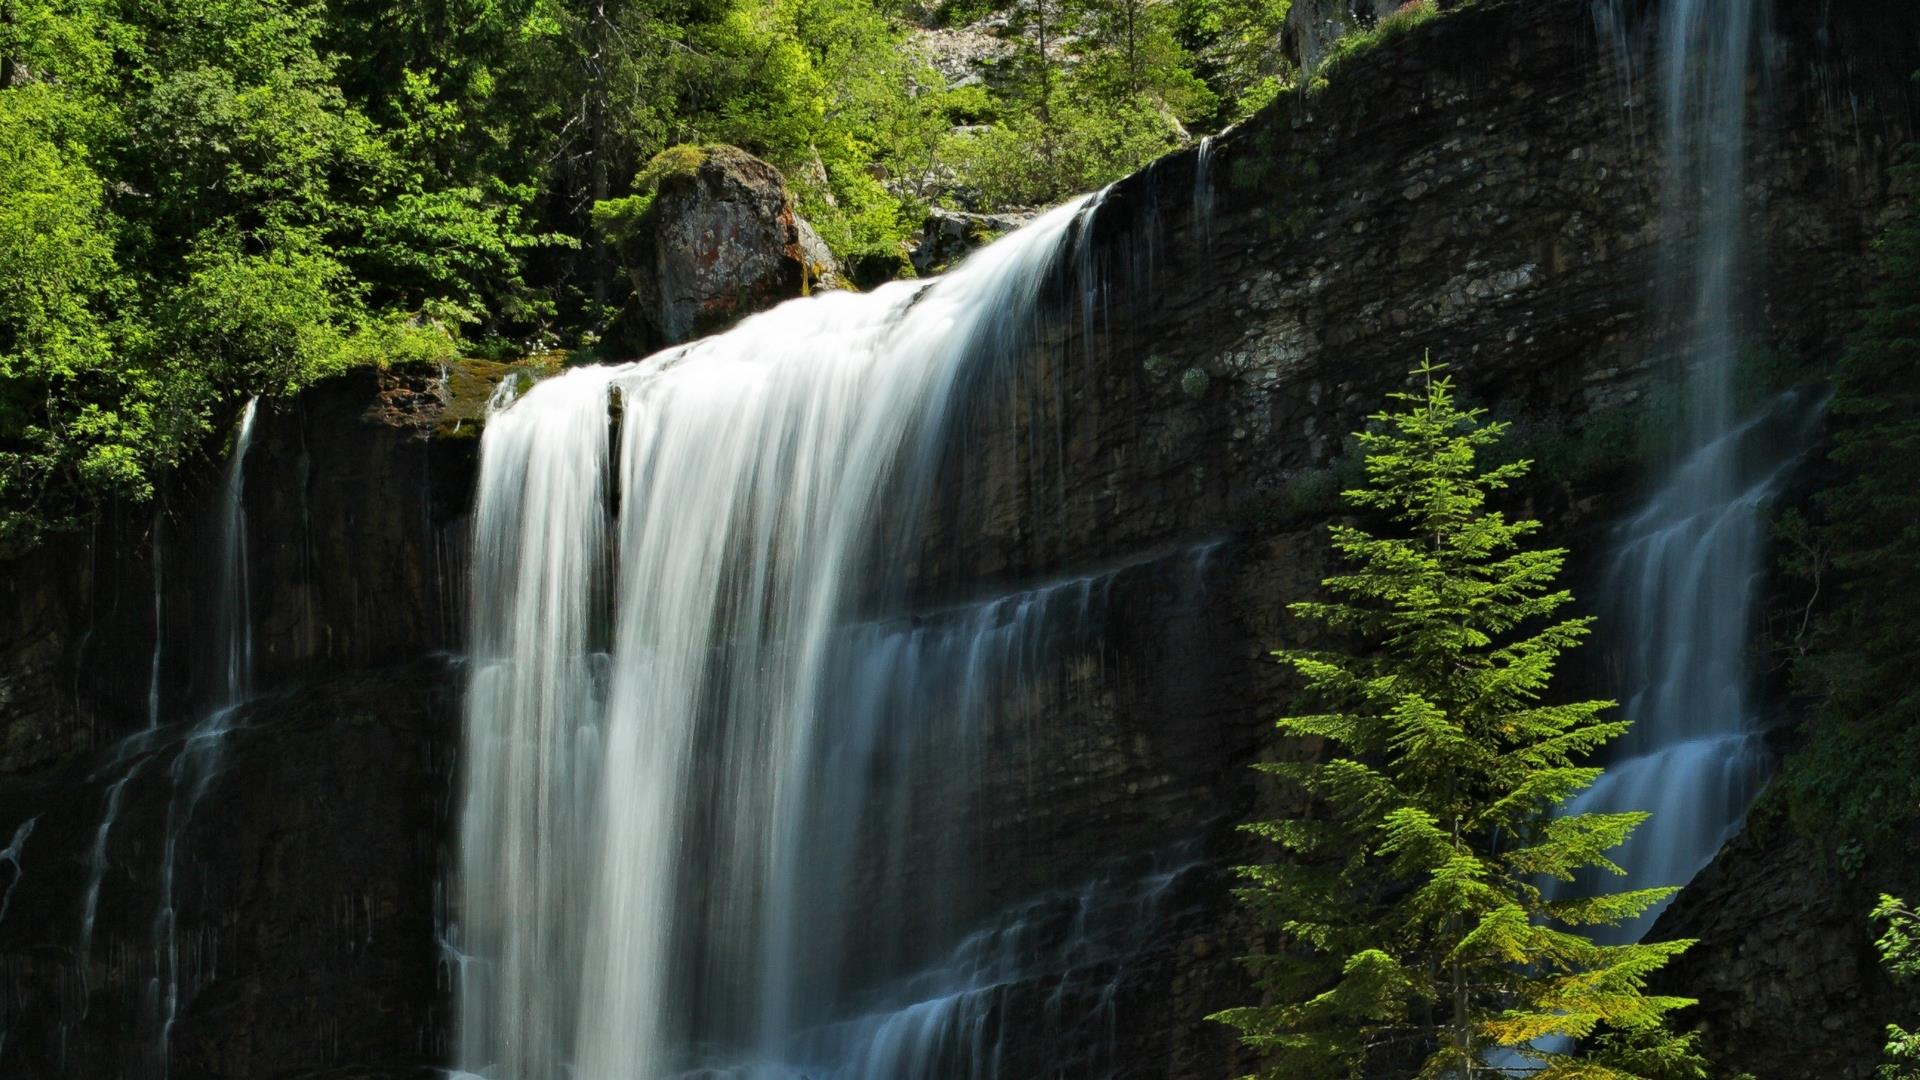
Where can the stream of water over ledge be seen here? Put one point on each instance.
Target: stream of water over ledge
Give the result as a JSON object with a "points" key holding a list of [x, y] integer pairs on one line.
{"points": [[717, 791]]}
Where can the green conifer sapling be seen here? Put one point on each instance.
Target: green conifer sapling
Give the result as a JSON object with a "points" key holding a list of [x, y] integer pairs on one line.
{"points": [[1414, 929]]}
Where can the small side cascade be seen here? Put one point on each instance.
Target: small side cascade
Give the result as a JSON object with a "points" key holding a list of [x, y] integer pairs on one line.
{"points": [[198, 761], [1044, 973], [10, 856], [1203, 181], [97, 867]]}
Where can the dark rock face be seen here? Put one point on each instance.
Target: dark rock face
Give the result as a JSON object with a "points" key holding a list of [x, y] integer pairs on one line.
{"points": [[1485, 188], [1785, 940], [288, 909], [277, 883], [719, 242]]}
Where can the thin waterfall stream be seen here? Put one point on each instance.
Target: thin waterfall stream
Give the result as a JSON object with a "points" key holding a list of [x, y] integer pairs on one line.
{"points": [[193, 769], [1680, 590]]}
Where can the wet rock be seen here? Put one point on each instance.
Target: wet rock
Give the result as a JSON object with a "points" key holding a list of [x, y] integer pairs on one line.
{"points": [[1784, 934]]}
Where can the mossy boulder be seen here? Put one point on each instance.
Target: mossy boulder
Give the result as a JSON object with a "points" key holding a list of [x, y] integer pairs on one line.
{"points": [[709, 237], [948, 236]]}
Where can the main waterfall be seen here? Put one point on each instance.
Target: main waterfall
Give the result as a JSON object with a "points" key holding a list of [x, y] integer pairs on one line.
{"points": [[709, 800]]}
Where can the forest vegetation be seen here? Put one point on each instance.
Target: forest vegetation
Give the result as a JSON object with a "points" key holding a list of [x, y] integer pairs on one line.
{"points": [[1856, 782], [201, 201]]}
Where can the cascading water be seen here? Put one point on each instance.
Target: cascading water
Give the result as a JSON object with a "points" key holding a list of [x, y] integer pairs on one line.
{"points": [[1681, 586], [709, 807], [159, 630], [198, 760], [10, 855]]}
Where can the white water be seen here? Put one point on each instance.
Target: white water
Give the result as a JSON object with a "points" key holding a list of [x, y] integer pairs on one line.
{"points": [[1203, 191], [705, 802], [97, 866], [1682, 585]]}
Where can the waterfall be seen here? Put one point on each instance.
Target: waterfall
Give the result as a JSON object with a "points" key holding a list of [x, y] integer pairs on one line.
{"points": [[11, 856], [234, 626], [1203, 191], [1681, 587], [194, 767], [159, 631], [97, 865], [707, 801]]}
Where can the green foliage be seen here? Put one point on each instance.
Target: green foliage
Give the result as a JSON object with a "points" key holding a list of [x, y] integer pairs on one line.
{"points": [[1099, 88], [619, 220], [81, 414], [1859, 774], [198, 202], [1899, 948], [1232, 43], [1033, 159], [1413, 926], [209, 199]]}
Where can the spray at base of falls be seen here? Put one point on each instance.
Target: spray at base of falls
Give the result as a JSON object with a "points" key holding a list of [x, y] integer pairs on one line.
{"points": [[713, 816]]}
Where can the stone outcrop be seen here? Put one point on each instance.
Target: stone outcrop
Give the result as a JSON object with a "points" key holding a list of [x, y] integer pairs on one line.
{"points": [[1789, 981], [1313, 26], [1484, 188], [719, 241], [947, 236], [967, 55]]}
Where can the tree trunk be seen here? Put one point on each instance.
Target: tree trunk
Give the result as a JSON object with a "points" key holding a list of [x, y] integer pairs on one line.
{"points": [[598, 37]]}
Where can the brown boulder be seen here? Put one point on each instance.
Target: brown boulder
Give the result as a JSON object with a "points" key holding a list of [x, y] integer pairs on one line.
{"points": [[712, 238]]}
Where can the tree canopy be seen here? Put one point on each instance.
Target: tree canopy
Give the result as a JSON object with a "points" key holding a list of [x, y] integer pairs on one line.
{"points": [[200, 201]]}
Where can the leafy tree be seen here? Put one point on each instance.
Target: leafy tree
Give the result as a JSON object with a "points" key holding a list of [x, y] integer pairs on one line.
{"points": [[1415, 927], [1232, 43], [201, 199], [58, 289], [1900, 952], [1101, 87]]}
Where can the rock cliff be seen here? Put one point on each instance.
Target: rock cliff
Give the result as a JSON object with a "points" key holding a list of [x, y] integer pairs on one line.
{"points": [[1484, 188]]}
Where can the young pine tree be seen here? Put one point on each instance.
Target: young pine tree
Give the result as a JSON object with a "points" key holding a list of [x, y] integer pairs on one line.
{"points": [[1415, 934]]}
